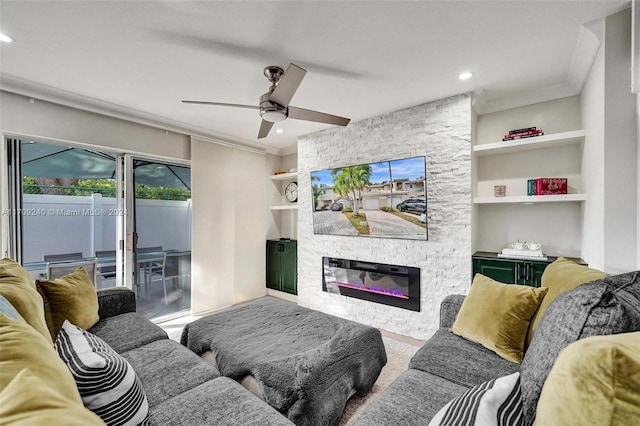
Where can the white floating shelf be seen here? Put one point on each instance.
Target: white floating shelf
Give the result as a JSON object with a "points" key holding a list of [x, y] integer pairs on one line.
{"points": [[527, 199], [284, 176], [527, 144], [285, 207]]}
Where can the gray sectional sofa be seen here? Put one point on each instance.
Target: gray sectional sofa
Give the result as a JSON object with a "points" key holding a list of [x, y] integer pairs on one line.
{"points": [[443, 368], [448, 365], [181, 388]]}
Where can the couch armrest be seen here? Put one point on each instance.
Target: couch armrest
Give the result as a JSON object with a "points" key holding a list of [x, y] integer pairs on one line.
{"points": [[449, 308], [115, 301]]}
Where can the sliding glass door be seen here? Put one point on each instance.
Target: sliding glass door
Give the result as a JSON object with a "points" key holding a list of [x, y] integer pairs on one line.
{"points": [[129, 215], [65, 206], [161, 222]]}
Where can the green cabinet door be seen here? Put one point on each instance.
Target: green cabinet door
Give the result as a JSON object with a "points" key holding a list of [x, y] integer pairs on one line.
{"points": [[499, 270], [282, 265], [273, 265], [535, 271], [290, 267]]}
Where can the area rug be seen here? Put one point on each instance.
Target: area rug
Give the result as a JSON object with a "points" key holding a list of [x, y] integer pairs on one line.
{"points": [[398, 356]]}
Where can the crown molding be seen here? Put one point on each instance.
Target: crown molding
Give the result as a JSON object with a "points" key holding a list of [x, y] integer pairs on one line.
{"points": [[587, 46]]}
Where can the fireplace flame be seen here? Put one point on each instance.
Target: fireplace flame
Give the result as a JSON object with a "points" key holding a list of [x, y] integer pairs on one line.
{"points": [[384, 291]]}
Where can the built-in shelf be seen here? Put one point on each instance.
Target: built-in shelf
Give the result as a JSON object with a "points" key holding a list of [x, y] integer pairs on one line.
{"points": [[538, 142], [526, 199], [285, 176], [285, 207]]}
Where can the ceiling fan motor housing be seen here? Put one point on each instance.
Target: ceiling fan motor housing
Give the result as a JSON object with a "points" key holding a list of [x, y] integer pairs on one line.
{"points": [[271, 111]]}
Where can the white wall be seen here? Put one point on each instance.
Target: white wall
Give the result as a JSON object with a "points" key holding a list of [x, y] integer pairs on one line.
{"points": [[592, 108], [228, 249], [439, 130], [620, 159], [611, 217]]}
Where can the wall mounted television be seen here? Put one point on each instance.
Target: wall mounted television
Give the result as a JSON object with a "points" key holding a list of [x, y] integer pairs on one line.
{"points": [[387, 199]]}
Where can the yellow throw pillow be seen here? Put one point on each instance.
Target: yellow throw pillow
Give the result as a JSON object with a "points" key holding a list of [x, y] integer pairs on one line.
{"points": [[497, 316], [23, 347], [71, 297], [17, 286], [559, 277], [30, 401], [594, 381]]}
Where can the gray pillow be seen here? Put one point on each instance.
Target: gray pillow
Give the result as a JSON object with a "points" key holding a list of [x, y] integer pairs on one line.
{"points": [[601, 307]]}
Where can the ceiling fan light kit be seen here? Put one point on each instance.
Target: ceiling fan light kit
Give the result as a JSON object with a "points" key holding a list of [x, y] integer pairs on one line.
{"points": [[271, 111], [274, 105]]}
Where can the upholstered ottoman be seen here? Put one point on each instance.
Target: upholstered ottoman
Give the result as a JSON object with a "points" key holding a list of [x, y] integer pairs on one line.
{"points": [[306, 364]]}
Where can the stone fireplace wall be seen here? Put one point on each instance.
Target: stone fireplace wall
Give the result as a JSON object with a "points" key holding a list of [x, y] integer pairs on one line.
{"points": [[440, 131]]}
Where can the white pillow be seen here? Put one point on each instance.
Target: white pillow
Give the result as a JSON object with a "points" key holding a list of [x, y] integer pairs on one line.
{"points": [[497, 402], [107, 383]]}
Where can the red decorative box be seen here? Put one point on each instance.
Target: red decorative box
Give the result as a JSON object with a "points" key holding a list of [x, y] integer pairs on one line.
{"points": [[551, 186]]}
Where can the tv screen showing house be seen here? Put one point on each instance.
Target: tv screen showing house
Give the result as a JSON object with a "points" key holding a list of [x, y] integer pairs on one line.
{"points": [[384, 200]]}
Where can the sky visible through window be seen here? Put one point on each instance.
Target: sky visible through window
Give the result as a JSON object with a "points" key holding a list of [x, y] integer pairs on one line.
{"points": [[408, 168]]}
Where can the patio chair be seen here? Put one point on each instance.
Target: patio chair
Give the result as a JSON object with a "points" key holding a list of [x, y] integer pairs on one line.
{"points": [[152, 268], [63, 256], [106, 272], [59, 269], [171, 269], [154, 249]]}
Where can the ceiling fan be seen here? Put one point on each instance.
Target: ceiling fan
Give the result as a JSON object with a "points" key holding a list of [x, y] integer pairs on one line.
{"points": [[274, 105]]}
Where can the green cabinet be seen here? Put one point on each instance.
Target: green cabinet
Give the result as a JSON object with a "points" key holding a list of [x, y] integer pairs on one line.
{"points": [[512, 271], [282, 265]]}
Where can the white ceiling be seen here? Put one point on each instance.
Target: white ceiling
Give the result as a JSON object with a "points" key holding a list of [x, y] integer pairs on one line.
{"points": [[364, 58]]}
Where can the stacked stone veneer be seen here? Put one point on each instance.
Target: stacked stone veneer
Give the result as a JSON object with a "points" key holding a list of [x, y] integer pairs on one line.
{"points": [[440, 131]]}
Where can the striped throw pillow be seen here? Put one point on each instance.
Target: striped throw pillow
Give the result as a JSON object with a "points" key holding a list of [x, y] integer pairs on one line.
{"points": [[497, 402], [107, 383]]}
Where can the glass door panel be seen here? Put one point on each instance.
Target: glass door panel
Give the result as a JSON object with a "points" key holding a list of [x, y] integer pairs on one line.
{"points": [[162, 235], [69, 208]]}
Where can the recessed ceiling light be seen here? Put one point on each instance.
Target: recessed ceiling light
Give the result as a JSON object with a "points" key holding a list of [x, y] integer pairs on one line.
{"points": [[279, 131], [465, 76], [5, 38]]}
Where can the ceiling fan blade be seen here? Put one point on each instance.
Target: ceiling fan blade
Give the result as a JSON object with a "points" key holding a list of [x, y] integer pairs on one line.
{"points": [[221, 104], [264, 129], [320, 117], [288, 85]]}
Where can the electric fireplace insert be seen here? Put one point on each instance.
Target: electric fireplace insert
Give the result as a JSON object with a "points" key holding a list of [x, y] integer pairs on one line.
{"points": [[391, 285]]}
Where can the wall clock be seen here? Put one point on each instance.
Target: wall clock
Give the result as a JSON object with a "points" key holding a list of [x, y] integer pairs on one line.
{"points": [[291, 192]]}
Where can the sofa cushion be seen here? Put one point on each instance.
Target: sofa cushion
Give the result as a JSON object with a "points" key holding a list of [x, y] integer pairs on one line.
{"points": [[496, 402], [29, 400], [603, 307], [559, 277], [23, 347], [71, 297], [497, 315], [107, 383], [594, 381], [449, 308], [444, 350], [127, 331], [220, 401], [115, 301], [412, 399], [17, 286], [167, 368]]}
